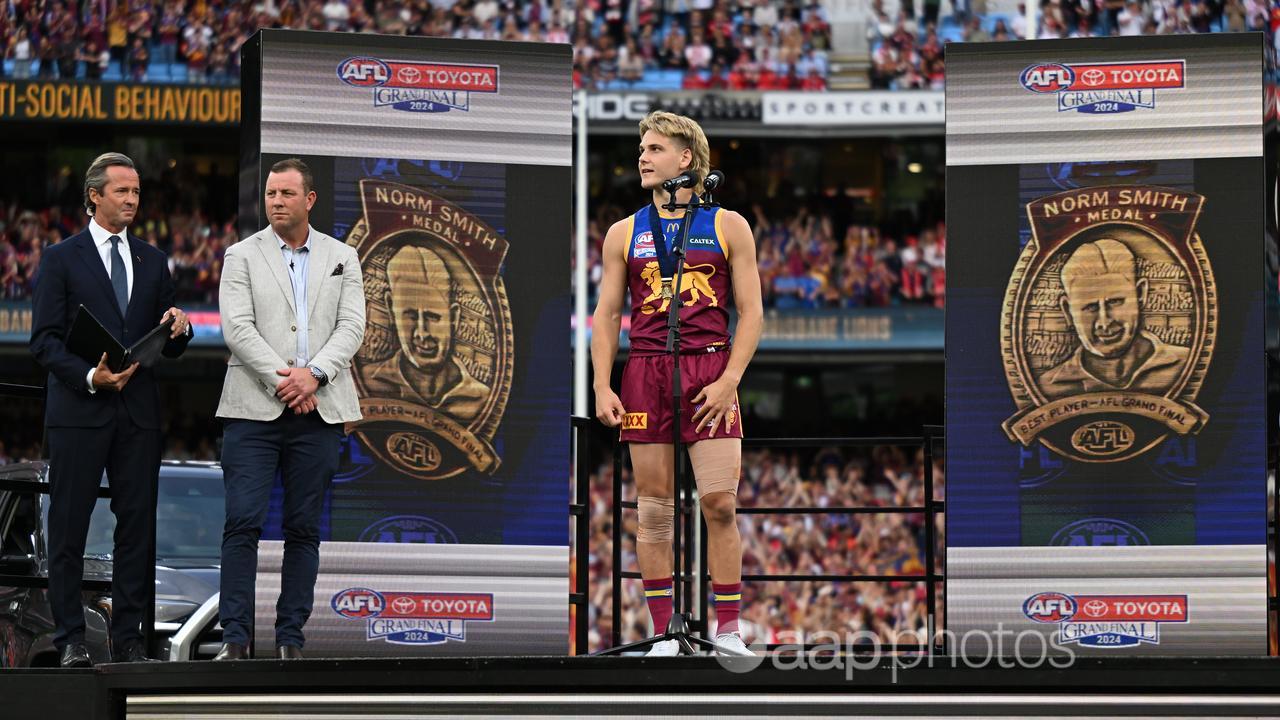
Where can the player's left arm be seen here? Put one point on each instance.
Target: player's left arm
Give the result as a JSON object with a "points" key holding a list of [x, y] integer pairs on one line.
{"points": [[718, 397]]}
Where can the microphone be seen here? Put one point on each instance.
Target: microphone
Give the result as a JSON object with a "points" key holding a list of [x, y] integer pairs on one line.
{"points": [[713, 180], [686, 180]]}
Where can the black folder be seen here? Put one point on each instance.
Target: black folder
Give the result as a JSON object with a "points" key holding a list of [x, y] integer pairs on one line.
{"points": [[89, 339]]}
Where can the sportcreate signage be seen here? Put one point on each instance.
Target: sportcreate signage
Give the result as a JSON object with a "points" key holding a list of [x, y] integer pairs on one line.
{"points": [[894, 108]]}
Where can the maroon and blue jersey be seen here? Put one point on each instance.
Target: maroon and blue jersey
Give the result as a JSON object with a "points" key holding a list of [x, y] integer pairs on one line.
{"points": [[704, 290]]}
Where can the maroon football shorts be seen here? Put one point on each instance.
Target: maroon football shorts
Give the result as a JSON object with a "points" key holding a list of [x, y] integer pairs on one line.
{"points": [[646, 397]]}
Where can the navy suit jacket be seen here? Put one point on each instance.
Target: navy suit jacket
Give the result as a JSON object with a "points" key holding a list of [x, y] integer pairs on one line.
{"points": [[72, 274]]}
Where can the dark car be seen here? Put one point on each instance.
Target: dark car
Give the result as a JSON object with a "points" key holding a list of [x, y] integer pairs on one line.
{"points": [[189, 518]]}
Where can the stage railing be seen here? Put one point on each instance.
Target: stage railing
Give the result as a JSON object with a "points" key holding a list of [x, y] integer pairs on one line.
{"points": [[35, 487], [931, 509], [41, 582], [40, 487], [580, 511]]}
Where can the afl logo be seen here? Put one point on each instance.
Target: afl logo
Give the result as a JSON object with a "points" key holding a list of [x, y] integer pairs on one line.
{"points": [[414, 451], [363, 72], [1049, 607], [1047, 78], [358, 603], [1102, 438], [1099, 532], [408, 529]]}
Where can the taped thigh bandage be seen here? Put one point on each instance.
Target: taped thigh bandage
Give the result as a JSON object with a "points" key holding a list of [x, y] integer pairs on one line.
{"points": [[657, 519], [717, 463]]}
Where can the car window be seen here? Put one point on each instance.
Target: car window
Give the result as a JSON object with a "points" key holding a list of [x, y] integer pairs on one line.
{"points": [[17, 525], [189, 519]]}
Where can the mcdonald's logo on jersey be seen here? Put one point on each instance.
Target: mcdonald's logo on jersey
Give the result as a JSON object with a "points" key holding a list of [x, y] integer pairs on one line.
{"points": [[635, 421]]}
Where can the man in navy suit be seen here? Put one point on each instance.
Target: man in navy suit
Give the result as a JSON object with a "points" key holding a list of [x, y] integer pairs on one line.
{"points": [[100, 420]]}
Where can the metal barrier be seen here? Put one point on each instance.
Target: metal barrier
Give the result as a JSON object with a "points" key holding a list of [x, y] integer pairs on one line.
{"points": [[931, 509], [38, 487], [31, 392], [580, 511]]}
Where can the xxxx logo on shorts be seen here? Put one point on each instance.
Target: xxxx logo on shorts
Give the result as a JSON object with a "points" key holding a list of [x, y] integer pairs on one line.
{"points": [[635, 421]]}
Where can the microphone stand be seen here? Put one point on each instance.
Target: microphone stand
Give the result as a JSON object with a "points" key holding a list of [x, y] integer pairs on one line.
{"points": [[678, 628]]}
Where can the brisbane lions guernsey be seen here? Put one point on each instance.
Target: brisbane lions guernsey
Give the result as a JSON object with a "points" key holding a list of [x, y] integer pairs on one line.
{"points": [[704, 290]]}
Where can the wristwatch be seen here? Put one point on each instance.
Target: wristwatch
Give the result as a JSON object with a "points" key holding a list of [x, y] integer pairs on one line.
{"points": [[319, 375]]}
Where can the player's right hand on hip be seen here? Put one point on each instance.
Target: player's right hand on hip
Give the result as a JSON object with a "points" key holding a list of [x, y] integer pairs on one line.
{"points": [[609, 408]]}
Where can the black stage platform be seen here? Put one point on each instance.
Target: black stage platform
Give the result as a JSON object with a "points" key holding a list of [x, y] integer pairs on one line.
{"points": [[638, 687]]}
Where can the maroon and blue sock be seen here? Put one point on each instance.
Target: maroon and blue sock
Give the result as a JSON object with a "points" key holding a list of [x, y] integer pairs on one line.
{"points": [[657, 595], [728, 600]]}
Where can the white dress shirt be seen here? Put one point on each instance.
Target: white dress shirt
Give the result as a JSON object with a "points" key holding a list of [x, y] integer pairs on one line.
{"points": [[297, 263], [102, 243]]}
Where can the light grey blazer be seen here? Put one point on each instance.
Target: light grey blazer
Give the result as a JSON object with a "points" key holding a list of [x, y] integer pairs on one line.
{"points": [[255, 299]]}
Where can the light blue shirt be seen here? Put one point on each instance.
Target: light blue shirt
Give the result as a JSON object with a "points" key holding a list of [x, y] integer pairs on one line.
{"points": [[295, 262]]}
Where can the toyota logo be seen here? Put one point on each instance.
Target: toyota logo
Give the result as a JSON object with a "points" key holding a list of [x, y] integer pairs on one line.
{"points": [[409, 75], [1092, 77], [1095, 608], [403, 605]]}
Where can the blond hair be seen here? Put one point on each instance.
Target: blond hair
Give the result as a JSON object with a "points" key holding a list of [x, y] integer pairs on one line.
{"points": [[686, 131]]}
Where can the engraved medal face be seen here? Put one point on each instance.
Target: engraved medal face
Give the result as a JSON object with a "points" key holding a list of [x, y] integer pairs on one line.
{"points": [[666, 289], [434, 372], [1109, 322]]}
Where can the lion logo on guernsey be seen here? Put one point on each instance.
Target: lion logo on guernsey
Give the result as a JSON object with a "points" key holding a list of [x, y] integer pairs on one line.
{"points": [[1106, 621], [1104, 88], [413, 618], [419, 86]]}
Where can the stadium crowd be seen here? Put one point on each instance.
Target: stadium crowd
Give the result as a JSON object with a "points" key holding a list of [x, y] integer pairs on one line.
{"points": [[194, 243], [740, 44], [906, 51], [803, 264], [835, 543], [766, 45]]}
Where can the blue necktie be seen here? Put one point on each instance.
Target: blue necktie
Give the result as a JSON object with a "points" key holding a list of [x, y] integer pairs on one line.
{"points": [[119, 280]]}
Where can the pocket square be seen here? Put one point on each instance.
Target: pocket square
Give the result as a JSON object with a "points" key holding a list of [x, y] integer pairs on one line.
{"points": [[336, 271]]}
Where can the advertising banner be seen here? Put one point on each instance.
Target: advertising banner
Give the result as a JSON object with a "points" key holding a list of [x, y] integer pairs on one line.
{"points": [[895, 108], [148, 103], [1106, 377], [450, 177]]}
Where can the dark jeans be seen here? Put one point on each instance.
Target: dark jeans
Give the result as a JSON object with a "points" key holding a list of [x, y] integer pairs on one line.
{"points": [[303, 449], [77, 457]]}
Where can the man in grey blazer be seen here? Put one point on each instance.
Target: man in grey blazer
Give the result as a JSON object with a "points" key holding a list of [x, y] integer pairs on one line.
{"points": [[292, 304]]}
